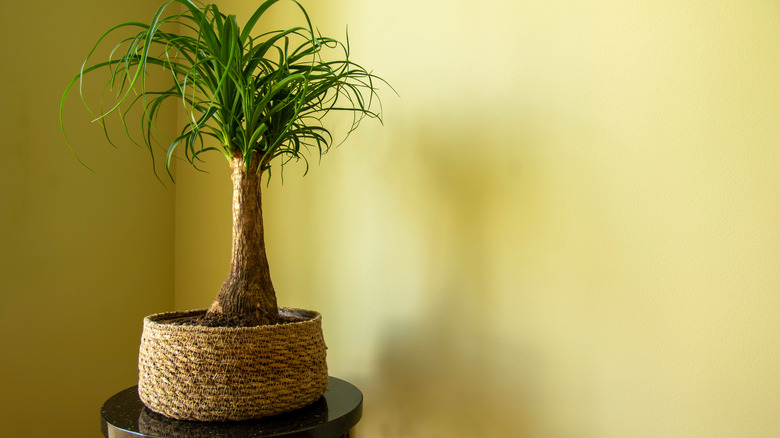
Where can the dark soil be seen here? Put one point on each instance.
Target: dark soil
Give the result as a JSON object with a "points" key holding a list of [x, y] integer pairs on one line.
{"points": [[197, 320]]}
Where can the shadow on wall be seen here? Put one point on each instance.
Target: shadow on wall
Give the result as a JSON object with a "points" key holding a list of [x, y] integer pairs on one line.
{"points": [[439, 380], [447, 373]]}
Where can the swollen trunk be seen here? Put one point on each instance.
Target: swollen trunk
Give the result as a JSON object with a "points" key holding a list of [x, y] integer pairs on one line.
{"points": [[247, 297]]}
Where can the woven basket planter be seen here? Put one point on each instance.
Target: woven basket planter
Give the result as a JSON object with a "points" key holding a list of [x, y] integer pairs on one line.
{"points": [[191, 372]]}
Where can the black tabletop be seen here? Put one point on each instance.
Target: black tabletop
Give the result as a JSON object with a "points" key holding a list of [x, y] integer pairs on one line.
{"points": [[124, 415]]}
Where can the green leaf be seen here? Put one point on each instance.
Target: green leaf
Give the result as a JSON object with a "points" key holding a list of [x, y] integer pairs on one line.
{"points": [[263, 96]]}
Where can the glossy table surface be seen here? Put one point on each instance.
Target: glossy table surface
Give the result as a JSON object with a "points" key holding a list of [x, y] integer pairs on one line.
{"points": [[332, 416]]}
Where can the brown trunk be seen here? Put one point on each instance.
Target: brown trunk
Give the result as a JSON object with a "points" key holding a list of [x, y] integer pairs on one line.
{"points": [[247, 297]]}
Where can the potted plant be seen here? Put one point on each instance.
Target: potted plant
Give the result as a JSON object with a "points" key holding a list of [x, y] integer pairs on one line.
{"points": [[259, 101]]}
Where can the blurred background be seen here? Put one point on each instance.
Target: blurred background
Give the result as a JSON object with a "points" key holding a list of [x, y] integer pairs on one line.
{"points": [[567, 227]]}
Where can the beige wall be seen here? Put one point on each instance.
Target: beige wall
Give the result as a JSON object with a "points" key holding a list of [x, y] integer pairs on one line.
{"points": [[567, 227], [83, 257]]}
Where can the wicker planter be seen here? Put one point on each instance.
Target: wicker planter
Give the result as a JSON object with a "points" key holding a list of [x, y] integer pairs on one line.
{"points": [[191, 372]]}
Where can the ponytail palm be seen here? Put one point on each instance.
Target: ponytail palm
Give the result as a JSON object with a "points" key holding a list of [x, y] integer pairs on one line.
{"points": [[257, 100]]}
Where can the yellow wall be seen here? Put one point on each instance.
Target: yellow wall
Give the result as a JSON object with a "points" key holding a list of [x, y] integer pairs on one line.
{"points": [[568, 226], [83, 257]]}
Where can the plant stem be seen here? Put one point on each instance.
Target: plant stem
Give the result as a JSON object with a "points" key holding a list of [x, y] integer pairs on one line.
{"points": [[247, 297]]}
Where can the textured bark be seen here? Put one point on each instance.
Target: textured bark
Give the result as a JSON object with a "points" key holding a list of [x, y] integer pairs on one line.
{"points": [[247, 297]]}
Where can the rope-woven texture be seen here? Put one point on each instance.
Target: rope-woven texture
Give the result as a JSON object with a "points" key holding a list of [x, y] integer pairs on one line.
{"points": [[191, 372]]}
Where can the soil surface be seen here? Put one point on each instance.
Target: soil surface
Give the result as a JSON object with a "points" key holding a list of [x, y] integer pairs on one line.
{"points": [[195, 320]]}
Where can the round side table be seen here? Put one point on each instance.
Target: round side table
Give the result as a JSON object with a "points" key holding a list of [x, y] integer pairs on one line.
{"points": [[332, 416]]}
